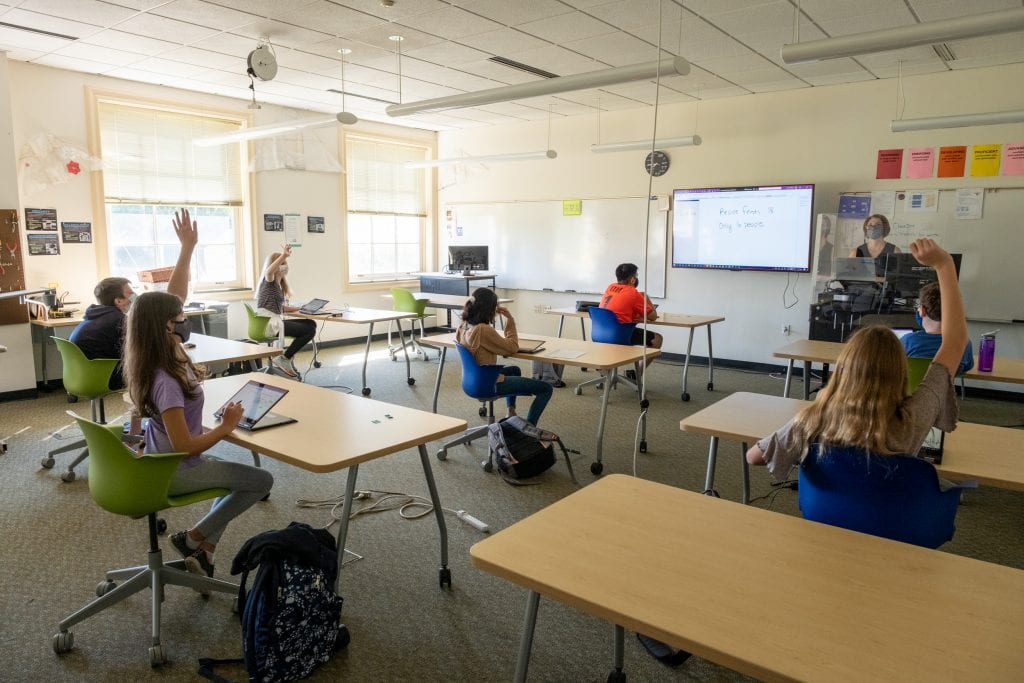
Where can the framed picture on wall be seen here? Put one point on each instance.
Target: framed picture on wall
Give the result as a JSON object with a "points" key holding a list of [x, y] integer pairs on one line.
{"points": [[315, 224], [273, 222], [43, 245], [76, 233], [41, 219]]}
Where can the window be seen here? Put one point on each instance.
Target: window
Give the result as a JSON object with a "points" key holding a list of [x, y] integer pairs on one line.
{"points": [[387, 209], [151, 168]]}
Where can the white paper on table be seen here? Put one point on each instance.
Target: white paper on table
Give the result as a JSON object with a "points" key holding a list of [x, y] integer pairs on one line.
{"points": [[567, 354]]}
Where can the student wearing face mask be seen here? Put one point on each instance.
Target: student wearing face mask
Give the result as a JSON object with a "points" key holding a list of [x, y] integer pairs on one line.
{"points": [[165, 385], [272, 300], [101, 332], [876, 229], [630, 305]]}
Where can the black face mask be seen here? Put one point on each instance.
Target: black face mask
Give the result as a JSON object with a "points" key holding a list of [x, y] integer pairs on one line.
{"points": [[183, 329]]}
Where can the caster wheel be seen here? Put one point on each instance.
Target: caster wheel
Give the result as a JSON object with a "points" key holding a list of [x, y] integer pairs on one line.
{"points": [[63, 642], [445, 577], [482, 412], [411, 381], [68, 476], [711, 386], [578, 391], [596, 468], [72, 399], [157, 657], [394, 359], [617, 677], [317, 364], [47, 463], [104, 587], [685, 396], [161, 526], [442, 455], [487, 466], [366, 391], [643, 446]]}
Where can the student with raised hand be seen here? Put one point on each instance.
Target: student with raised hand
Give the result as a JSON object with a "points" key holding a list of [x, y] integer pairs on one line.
{"points": [[272, 299], [865, 403], [166, 386], [477, 334]]}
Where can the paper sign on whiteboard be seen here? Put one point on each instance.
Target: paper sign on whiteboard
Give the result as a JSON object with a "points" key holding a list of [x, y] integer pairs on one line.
{"points": [[969, 203], [292, 236], [921, 201]]}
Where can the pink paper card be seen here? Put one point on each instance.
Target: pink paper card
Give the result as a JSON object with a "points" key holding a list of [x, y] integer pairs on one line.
{"points": [[920, 162], [1013, 159]]}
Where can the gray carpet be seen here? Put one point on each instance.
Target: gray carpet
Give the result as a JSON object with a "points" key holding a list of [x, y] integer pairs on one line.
{"points": [[57, 544]]}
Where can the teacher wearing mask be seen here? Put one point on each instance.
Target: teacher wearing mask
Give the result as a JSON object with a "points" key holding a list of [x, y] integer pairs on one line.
{"points": [[876, 229]]}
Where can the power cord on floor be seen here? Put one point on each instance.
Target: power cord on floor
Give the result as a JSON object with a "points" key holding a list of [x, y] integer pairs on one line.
{"points": [[777, 488], [405, 503]]}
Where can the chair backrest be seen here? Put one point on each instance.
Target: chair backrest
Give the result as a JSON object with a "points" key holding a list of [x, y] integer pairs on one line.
{"points": [[478, 381], [257, 330], [405, 302], [606, 328], [893, 496], [916, 370], [83, 377]]}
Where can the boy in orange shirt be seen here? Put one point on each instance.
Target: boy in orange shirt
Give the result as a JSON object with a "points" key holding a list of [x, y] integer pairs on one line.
{"points": [[631, 305]]}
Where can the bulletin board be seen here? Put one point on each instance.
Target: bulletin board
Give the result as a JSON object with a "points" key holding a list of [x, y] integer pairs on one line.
{"points": [[12, 268]]}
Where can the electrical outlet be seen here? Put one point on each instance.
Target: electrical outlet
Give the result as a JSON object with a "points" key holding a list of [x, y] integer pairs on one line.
{"points": [[538, 309], [786, 329]]}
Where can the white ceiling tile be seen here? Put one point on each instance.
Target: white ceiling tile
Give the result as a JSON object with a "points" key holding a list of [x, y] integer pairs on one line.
{"points": [[936, 10], [557, 60], [280, 33], [73, 64], [828, 67], [11, 38], [130, 43], [169, 67], [742, 62], [724, 91], [565, 27], [769, 74], [497, 72], [756, 18], [378, 36], [987, 60], [503, 41], [329, 17], [263, 8], [616, 49], [46, 22], [451, 22], [446, 53], [200, 57], [711, 8], [629, 14], [397, 12], [20, 54], [830, 10], [88, 11], [777, 86], [513, 13], [203, 13], [162, 28], [1009, 44], [227, 44], [99, 53], [875, 21], [839, 79]]}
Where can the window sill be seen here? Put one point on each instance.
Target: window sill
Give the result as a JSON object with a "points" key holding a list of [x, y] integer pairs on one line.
{"points": [[376, 285]]}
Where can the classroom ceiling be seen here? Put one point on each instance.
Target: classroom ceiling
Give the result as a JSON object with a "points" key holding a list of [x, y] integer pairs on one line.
{"points": [[732, 45]]}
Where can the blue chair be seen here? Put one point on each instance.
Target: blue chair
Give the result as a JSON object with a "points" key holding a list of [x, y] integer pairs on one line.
{"points": [[892, 496], [479, 382], [605, 328]]}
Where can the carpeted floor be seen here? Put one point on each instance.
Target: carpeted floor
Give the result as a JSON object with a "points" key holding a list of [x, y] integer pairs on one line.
{"points": [[57, 543]]}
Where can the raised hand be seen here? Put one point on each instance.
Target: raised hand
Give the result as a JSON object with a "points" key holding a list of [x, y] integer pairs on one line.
{"points": [[186, 229], [286, 250], [928, 253]]}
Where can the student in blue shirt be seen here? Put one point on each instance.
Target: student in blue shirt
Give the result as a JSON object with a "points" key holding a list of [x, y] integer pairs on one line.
{"points": [[925, 342]]}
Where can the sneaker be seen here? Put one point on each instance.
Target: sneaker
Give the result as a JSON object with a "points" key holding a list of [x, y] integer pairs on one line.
{"points": [[180, 543], [631, 375], [195, 558], [284, 365]]}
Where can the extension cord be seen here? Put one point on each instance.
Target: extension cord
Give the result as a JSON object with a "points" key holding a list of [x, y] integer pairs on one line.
{"points": [[472, 521]]}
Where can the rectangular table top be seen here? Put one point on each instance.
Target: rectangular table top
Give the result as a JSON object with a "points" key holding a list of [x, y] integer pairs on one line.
{"points": [[453, 301], [358, 316], [666, 319], [218, 350], [75, 319], [595, 355], [770, 595], [334, 430]]}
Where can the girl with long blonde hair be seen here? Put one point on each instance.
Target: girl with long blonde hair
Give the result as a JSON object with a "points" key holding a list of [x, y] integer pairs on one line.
{"points": [[865, 403], [272, 296]]}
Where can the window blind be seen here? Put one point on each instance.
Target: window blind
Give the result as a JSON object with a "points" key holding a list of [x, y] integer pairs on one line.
{"points": [[378, 181], [149, 158]]}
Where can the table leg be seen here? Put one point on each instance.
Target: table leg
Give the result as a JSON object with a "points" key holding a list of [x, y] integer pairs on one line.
{"points": [[711, 363], [709, 478], [620, 647], [346, 512], [428, 473], [526, 642], [789, 379], [609, 379], [561, 321], [405, 349], [583, 336], [366, 357], [807, 380], [440, 369], [746, 473], [686, 366]]}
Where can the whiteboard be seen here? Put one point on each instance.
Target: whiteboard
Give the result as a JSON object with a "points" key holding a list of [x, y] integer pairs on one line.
{"points": [[991, 276], [533, 246]]}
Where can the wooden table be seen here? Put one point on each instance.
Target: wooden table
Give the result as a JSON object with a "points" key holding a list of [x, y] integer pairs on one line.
{"points": [[216, 350], [809, 351], [1003, 370], [772, 596], [594, 355], [449, 302], [336, 431], [368, 316], [990, 455], [666, 320]]}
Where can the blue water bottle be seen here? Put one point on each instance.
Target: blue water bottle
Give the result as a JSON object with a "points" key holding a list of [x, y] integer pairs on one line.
{"points": [[987, 352]]}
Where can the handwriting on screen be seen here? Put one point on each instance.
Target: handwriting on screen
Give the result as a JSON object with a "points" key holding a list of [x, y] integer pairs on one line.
{"points": [[745, 217]]}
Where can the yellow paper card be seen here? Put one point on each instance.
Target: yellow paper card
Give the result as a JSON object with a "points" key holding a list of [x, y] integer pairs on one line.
{"points": [[572, 207], [985, 160]]}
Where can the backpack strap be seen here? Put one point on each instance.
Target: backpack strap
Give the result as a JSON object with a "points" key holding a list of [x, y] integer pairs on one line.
{"points": [[207, 664]]}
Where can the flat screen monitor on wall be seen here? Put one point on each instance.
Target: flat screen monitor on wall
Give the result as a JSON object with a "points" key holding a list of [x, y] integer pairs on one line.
{"points": [[743, 228], [465, 257]]}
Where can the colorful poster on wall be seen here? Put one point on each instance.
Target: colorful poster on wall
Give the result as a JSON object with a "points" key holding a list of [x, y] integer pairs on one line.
{"points": [[854, 206], [952, 161], [273, 222], [985, 160], [315, 224], [1013, 159], [43, 245], [889, 165], [921, 201], [76, 233], [969, 203], [41, 219], [920, 162]]}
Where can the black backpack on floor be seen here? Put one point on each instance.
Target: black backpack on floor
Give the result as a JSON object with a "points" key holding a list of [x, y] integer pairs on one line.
{"points": [[521, 450]]}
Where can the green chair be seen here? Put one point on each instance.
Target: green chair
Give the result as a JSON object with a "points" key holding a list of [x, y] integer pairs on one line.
{"points": [[257, 331], [916, 370], [83, 378], [122, 483], [405, 302]]}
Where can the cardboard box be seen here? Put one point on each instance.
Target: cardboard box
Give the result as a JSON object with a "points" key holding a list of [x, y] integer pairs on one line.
{"points": [[156, 274]]}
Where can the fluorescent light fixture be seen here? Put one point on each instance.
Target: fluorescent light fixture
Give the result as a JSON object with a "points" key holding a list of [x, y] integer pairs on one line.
{"points": [[513, 156], [986, 24], [984, 119], [670, 66], [272, 129], [688, 141]]}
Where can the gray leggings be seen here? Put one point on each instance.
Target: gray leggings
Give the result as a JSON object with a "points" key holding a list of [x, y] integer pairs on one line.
{"points": [[248, 484]]}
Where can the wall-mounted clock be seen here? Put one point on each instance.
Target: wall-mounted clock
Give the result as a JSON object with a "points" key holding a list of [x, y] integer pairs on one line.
{"points": [[656, 163], [262, 63]]}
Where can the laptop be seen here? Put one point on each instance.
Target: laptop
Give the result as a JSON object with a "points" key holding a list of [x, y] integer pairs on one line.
{"points": [[901, 332], [313, 306], [530, 345], [931, 449], [257, 398], [857, 268]]}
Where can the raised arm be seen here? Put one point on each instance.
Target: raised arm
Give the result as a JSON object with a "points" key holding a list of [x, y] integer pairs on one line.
{"points": [[188, 235], [954, 323], [275, 265]]}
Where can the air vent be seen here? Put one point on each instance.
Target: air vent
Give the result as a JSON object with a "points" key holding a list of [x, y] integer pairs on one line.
{"points": [[944, 52], [523, 67], [38, 31]]}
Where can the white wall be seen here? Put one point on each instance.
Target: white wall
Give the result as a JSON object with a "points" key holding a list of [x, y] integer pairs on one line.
{"points": [[829, 136]]}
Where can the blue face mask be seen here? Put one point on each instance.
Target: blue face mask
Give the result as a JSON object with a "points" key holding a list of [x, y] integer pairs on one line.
{"points": [[874, 233]]}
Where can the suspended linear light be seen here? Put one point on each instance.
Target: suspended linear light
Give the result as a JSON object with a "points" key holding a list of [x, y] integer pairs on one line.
{"points": [[550, 86], [987, 24], [270, 130], [991, 118], [688, 141], [513, 156]]}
